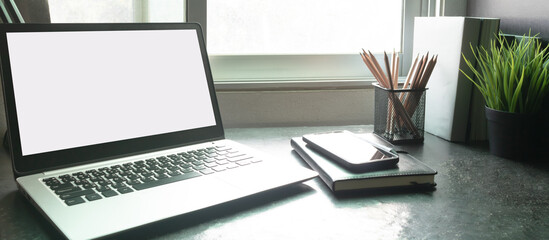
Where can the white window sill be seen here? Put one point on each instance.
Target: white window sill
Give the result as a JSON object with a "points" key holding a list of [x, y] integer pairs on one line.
{"points": [[296, 84], [288, 85]]}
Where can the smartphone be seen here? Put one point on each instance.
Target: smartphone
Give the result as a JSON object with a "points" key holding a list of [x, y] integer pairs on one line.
{"points": [[351, 151]]}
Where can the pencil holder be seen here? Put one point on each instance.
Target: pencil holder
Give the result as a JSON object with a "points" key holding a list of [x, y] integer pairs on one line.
{"points": [[399, 115]]}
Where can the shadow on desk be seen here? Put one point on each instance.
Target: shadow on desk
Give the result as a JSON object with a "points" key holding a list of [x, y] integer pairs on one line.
{"points": [[538, 161], [19, 219], [428, 191], [374, 193], [188, 225]]}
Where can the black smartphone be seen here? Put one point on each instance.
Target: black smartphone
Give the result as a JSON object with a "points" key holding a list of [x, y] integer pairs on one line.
{"points": [[351, 151]]}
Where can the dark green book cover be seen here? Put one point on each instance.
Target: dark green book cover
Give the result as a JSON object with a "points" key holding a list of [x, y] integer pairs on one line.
{"points": [[408, 173]]}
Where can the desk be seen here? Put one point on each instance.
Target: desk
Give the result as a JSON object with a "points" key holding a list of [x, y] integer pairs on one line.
{"points": [[479, 196]]}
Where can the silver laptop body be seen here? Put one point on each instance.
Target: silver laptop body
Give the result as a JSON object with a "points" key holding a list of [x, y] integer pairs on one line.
{"points": [[118, 125]]}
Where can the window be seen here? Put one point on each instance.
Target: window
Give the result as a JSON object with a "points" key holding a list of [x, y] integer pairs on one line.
{"points": [[273, 40], [303, 40], [67, 11], [292, 27]]}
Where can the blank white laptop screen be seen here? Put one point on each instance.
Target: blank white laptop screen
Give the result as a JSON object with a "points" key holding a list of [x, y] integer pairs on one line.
{"points": [[87, 89]]}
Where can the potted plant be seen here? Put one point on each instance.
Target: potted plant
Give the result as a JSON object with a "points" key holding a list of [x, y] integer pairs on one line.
{"points": [[513, 77]]}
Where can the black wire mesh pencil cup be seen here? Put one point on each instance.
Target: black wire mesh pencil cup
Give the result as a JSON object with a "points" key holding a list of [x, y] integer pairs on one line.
{"points": [[399, 115]]}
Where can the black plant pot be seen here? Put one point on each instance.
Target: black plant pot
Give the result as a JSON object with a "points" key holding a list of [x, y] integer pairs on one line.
{"points": [[515, 135]]}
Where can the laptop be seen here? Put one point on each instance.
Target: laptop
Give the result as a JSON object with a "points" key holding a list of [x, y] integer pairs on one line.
{"points": [[118, 125]]}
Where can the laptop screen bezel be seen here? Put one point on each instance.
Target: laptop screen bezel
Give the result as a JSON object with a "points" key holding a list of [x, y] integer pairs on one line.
{"points": [[29, 164]]}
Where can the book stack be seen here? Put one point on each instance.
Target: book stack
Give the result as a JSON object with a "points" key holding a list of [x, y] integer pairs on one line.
{"points": [[409, 173]]}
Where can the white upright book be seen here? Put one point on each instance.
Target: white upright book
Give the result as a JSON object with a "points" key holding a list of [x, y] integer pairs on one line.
{"points": [[448, 100]]}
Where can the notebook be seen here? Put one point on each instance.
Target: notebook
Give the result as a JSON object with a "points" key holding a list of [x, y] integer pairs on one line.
{"points": [[118, 125], [409, 174]]}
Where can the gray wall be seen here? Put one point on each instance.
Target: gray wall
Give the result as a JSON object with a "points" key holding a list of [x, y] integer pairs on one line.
{"points": [[517, 17], [34, 11]]}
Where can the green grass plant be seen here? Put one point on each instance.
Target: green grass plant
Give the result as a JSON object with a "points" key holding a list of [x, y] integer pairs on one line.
{"points": [[512, 76]]}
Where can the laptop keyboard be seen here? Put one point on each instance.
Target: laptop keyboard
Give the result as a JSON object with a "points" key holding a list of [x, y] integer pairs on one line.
{"points": [[105, 182]]}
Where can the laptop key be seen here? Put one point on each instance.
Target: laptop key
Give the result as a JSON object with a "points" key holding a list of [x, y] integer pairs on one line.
{"points": [[211, 164], [124, 190], [88, 185], [222, 162], [207, 171], [244, 162], [162, 176], [93, 197], [51, 181], [94, 178], [103, 188], [61, 186], [231, 165], [163, 181], [148, 179], [67, 190], [68, 195], [134, 182], [200, 167], [220, 168], [104, 182], [109, 193], [67, 178], [239, 158], [118, 185], [74, 201], [133, 177], [235, 154]]}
